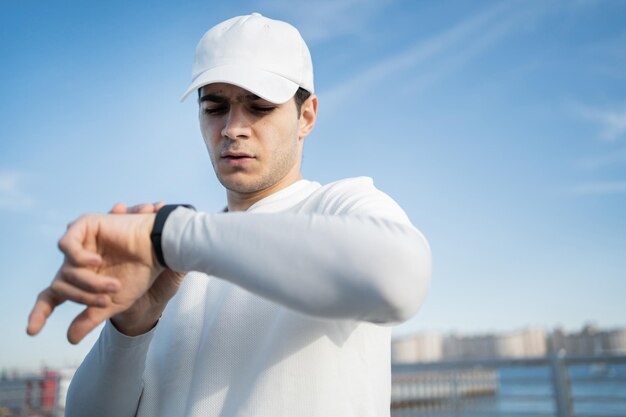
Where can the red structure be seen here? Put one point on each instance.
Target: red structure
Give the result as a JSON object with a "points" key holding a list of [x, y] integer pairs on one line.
{"points": [[49, 386]]}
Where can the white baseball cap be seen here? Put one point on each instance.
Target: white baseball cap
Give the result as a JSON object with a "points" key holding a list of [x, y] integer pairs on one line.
{"points": [[267, 57]]}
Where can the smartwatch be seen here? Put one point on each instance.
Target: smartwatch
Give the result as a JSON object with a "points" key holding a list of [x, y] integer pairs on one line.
{"points": [[157, 229]]}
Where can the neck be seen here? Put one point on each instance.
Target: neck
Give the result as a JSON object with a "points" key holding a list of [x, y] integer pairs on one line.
{"points": [[243, 201]]}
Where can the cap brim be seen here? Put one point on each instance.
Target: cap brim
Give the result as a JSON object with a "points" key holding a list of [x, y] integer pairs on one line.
{"points": [[267, 85]]}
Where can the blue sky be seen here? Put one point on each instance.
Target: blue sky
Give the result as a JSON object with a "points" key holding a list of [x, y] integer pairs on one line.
{"points": [[500, 127]]}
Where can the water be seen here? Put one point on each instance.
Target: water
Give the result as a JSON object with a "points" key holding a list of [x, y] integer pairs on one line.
{"points": [[608, 383], [597, 390]]}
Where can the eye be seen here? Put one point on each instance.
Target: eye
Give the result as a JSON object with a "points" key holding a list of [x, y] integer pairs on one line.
{"points": [[262, 109], [214, 110]]}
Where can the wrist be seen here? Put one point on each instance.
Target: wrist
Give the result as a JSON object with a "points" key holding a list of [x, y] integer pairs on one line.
{"points": [[157, 231], [145, 230], [131, 323]]}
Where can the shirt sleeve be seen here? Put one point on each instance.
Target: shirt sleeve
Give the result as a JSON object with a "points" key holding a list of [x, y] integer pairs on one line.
{"points": [[358, 257], [109, 382]]}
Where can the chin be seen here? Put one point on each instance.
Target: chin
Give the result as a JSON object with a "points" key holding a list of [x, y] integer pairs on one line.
{"points": [[240, 185]]}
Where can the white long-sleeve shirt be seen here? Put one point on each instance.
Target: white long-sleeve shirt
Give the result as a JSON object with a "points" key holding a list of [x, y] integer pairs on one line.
{"points": [[281, 316]]}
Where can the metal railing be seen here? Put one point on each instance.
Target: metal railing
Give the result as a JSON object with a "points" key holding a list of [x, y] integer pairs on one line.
{"points": [[25, 397], [556, 386]]}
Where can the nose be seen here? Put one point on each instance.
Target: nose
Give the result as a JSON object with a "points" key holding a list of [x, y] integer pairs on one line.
{"points": [[237, 124]]}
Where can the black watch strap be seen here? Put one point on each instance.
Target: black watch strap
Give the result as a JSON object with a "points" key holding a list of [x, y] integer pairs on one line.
{"points": [[157, 229]]}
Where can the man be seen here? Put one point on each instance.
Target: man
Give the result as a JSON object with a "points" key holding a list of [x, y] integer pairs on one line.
{"points": [[283, 308]]}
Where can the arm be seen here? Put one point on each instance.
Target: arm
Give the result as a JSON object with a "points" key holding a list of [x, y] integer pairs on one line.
{"points": [[345, 267], [109, 382], [360, 260]]}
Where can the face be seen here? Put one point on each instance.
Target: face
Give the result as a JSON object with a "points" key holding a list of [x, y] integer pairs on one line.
{"points": [[254, 145]]}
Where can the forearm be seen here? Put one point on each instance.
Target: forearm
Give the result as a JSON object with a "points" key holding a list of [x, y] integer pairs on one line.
{"points": [[109, 382], [348, 267]]}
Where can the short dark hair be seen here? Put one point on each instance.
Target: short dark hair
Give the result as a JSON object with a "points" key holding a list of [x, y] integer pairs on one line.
{"points": [[300, 97]]}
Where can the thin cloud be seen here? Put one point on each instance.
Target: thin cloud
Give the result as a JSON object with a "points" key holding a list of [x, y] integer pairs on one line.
{"points": [[441, 54], [326, 19], [11, 195], [612, 122], [593, 163], [598, 188], [483, 39]]}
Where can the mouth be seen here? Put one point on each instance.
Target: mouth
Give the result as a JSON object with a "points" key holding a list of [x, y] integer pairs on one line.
{"points": [[236, 158], [236, 155]]}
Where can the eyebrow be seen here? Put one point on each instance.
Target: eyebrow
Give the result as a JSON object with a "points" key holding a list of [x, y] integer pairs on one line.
{"points": [[221, 99]]}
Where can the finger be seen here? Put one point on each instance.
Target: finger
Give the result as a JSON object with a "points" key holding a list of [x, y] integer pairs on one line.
{"points": [[119, 208], [86, 321], [72, 244], [157, 206], [88, 280], [65, 291], [44, 306], [142, 209]]}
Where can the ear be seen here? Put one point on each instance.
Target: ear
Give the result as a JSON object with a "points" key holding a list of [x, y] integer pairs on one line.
{"points": [[308, 116]]}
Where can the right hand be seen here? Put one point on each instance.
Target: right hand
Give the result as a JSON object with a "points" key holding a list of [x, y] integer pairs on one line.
{"points": [[108, 265], [146, 311]]}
